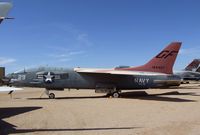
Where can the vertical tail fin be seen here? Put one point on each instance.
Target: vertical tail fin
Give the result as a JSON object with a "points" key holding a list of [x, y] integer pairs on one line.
{"points": [[193, 65], [163, 62]]}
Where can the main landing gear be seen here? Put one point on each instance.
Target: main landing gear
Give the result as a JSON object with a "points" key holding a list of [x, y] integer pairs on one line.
{"points": [[114, 94], [110, 89]]}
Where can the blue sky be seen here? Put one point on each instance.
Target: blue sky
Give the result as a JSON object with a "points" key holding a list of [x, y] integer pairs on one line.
{"points": [[97, 33]]}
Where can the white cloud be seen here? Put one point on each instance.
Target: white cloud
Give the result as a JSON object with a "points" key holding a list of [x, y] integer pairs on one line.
{"points": [[5, 61], [65, 59], [76, 36], [190, 51], [83, 39], [65, 55], [76, 53]]}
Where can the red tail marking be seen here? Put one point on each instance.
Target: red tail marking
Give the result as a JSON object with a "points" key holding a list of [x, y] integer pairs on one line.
{"points": [[162, 63]]}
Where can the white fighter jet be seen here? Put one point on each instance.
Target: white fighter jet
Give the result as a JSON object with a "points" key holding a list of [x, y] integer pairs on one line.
{"points": [[4, 9]]}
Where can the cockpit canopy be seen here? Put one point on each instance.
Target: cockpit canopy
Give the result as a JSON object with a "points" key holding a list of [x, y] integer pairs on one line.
{"points": [[39, 69], [121, 66]]}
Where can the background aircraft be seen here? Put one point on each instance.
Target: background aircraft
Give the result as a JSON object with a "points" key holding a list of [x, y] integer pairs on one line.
{"points": [[193, 66], [4, 9], [190, 73], [5, 89], [156, 73], [10, 90]]}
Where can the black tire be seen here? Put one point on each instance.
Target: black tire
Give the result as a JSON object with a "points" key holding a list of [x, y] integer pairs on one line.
{"points": [[115, 95], [51, 95]]}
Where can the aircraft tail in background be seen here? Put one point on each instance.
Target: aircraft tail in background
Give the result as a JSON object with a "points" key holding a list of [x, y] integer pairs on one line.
{"points": [[193, 66]]}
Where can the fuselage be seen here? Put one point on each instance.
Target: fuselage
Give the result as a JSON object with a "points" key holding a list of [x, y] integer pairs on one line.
{"points": [[61, 78]]}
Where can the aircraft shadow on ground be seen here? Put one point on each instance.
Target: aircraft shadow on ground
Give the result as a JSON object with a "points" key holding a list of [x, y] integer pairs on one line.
{"points": [[136, 95], [158, 97], [58, 98], [20, 131], [5, 127], [187, 87]]}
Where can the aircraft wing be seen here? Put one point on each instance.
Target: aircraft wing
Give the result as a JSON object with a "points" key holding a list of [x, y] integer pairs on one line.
{"points": [[114, 72], [4, 9], [8, 89]]}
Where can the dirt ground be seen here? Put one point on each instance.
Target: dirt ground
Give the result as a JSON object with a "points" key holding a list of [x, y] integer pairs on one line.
{"points": [[83, 112]]}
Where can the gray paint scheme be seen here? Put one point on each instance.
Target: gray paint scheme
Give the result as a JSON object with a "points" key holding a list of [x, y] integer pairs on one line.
{"points": [[156, 73], [31, 78], [188, 75]]}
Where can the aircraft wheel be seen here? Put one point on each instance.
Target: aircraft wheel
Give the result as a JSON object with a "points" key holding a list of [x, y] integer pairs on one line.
{"points": [[115, 95], [51, 95]]}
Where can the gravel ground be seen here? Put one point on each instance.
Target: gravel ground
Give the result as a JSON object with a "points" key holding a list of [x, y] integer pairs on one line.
{"points": [[83, 112]]}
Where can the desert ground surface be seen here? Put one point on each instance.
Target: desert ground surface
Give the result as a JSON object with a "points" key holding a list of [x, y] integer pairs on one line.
{"points": [[84, 112]]}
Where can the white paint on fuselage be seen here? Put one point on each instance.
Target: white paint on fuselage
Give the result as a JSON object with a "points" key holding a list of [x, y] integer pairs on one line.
{"points": [[141, 81]]}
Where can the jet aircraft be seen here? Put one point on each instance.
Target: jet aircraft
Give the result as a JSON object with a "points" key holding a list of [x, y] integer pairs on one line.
{"points": [[190, 73], [157, 73], [4, 9]]}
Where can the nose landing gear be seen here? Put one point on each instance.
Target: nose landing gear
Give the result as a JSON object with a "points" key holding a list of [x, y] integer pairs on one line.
{"points": [[50, 95]]}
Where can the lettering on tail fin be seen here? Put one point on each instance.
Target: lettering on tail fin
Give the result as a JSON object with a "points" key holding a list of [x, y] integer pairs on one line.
{"points": [[164, 54]]}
